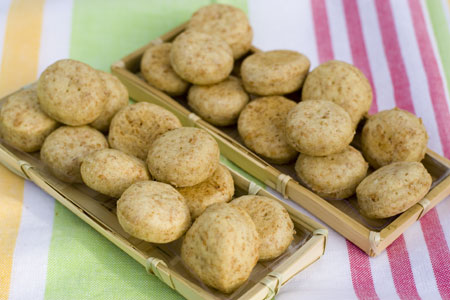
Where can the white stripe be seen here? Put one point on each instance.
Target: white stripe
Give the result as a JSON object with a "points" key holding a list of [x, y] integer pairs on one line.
{"points": [[375, 52], [29, 269], [56, 32], [382, 277], [420, 263], [4, 11], [415, 70], [286, 25], [443, 210], [338, 31]]}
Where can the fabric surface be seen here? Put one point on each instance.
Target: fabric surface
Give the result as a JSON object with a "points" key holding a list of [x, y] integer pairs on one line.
{"points": [[402, 46]]}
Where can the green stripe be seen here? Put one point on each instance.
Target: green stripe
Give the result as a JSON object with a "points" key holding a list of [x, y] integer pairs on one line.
{"points": [[442, 34]]}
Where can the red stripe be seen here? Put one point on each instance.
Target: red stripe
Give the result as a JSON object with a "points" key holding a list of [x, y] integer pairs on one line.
{"points": [[393, 54], [357, 44], [438, 250], [322, 30], [361, 273], [401, 270], [435, 81]]}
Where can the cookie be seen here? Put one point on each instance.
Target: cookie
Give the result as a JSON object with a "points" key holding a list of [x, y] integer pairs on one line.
{"points": [[71, 92], [261, 126], [227, 22], [201, 58], [219, 104], [276, 72], [393, 135], [218, 188], [22, 122], [183, 157], [335, 176], [111, 171], [222, 247], [116, 99], [157, 70], [342, 83], [319, 128], [392, 189], [154, 212], [65, 148], [272, 221], [134, 128]]}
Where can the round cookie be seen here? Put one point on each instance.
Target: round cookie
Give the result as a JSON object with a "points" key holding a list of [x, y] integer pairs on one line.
{"points": [[157, 70], [219, 104], [71, 92], [228, 22], [335, 176], [183, 157], [64, 149], [392, 189], [221, 247], [154, 212], [22, 122], [272, 221], [276, 72], [111, 171], [393, 135], [134, 128], [261, 126], [201, 58], [116, 98], [319, 128], [342, 83], [218, 188]]}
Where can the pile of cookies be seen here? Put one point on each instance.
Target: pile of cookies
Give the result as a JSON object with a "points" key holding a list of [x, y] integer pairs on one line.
{"points": [[335, 96], [66, 117]]}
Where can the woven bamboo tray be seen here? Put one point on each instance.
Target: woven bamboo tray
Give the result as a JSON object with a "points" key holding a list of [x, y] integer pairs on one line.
{"points": [[372, 236], [164, 260]]}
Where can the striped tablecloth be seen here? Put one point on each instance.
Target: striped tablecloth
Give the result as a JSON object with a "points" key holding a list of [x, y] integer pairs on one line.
{"points": [[403, 47]]}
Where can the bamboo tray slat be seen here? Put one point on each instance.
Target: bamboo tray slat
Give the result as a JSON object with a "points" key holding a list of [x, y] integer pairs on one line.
{"points": [[164, 260], [369, 235]]}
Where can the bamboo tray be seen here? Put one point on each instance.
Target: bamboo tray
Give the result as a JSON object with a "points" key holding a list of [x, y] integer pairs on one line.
{"points": [[164, 260], [372, 236]]}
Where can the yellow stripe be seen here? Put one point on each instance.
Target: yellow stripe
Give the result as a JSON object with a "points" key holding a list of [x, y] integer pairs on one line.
{"points": [[19, 67]]}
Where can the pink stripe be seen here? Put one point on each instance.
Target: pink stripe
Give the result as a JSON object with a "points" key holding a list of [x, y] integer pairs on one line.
{"points": [[361, 273], [396, 65], [322, 30], [435, 81], [401, 270], [357, 44], [438, 250]]}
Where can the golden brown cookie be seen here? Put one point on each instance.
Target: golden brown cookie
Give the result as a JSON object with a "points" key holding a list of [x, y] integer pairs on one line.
{"points": [[201, 58], [22, 122], [228, 22], [392, 189], [71, 92], [276, 72], [153, 211], [116, 98], [272, 221], [134, 128], [335, 176], [261, 126], [219, 104], [157, 70], [183, 157], [218, 188], [222, 247], [319, 128], [342, 83], [111, 171], [66, 147], [393, 135]]}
